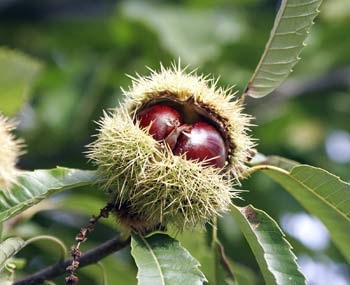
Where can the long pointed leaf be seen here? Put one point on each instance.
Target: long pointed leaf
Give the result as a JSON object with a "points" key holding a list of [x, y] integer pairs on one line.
{"points": [[161, 260], [291, 27], [323, 195], [32, 187], [272, 251]]}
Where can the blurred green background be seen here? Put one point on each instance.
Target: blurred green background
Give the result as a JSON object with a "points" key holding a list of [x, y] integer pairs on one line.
{"points": [[84, 49]]}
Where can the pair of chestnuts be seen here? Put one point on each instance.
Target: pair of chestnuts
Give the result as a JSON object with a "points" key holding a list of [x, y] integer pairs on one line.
{"points": [[198, 141]]}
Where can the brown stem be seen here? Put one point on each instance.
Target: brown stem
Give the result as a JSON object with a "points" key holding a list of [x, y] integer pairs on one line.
{"points": [[80, 238], [90, 257]]}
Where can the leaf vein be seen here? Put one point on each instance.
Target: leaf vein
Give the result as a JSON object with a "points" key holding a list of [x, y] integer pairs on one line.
{"points": [[300, 16], [155, 259], [302, 4]]}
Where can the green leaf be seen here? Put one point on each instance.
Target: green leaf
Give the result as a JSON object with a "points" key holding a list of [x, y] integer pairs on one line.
{"points": [[9, 248], [32, 187], [324, 195], [17, 72], [162, 260], [272, 251], [291, 27]]}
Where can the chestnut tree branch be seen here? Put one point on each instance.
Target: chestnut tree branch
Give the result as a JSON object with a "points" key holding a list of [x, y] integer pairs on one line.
{"points": [[90, 257]]}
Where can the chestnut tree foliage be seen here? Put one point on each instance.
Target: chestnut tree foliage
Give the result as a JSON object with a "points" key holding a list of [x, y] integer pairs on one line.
{"points": [[59, 68]]}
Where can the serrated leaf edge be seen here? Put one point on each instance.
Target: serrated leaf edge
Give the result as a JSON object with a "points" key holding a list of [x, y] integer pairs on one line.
{"points": [[154, 257], [273, 34], [295, 168], [286, 242]]}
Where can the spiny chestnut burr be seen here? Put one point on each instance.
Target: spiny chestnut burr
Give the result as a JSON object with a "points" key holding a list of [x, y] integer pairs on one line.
{"points": [[200, 141], [169, 155]]}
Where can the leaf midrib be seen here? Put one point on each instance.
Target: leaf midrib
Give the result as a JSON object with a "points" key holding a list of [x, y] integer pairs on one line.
{"points": [[270, 40], [309, 189], [270, 270], [155, 259]]}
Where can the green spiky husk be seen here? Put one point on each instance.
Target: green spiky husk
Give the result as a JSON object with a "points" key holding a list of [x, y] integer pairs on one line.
{"points": [[149, 185]]}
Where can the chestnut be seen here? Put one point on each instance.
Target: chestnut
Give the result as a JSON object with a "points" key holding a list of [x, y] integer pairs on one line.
{"points": [[203, 142], [162, 120]]}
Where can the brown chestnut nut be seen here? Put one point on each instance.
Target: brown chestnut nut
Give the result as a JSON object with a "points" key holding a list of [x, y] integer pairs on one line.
{"points": [[203, 142], [162, 120]]}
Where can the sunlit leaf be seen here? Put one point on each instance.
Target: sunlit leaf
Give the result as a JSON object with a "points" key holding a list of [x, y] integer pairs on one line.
{"points": [[162, 260], [8, 248], [272, 251], [17, 72], [33, 187], [291, 27], [324, 195]]}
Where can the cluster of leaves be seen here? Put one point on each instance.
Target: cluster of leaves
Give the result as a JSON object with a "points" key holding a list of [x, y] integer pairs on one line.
{"points": [[158, 257]]}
